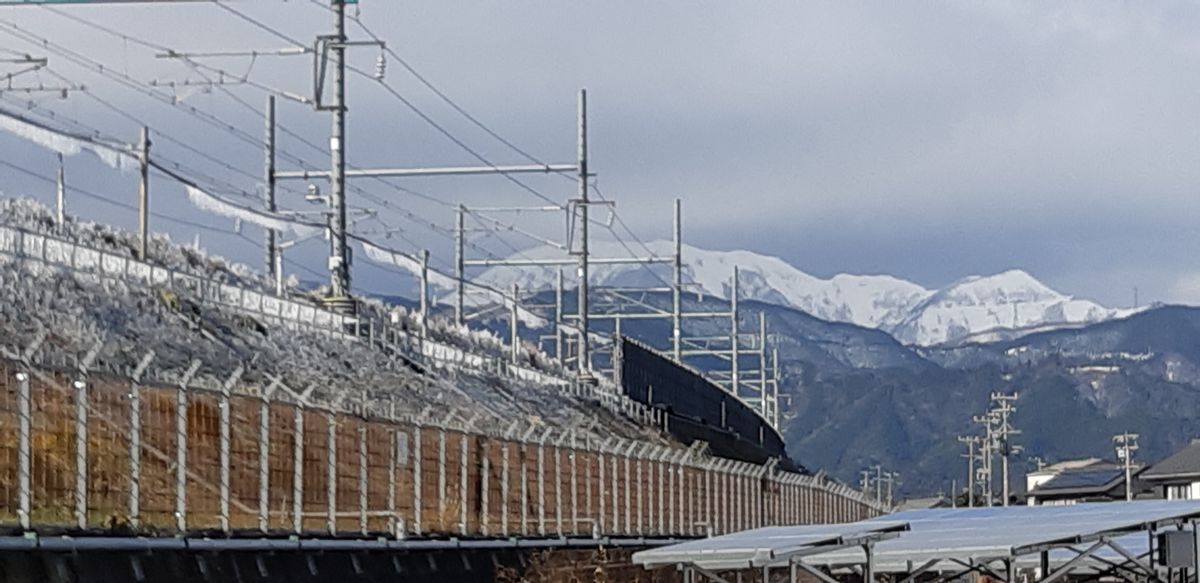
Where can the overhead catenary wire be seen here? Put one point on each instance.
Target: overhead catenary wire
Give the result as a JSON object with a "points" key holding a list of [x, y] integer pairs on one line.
{"points": [[286, 131], [391, 90]]}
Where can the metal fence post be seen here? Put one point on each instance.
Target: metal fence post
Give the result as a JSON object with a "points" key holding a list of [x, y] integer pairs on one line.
{"points": [[602, 503], [393, 461], [627, 455], [24, 451], [135, 441], [616, 509], [417, 499], [181, 445], [362, 477], [331, 486], [574, 457], [298, 469], [441, 477], [541, 482], [504, 487], [558, 489], [224, 440], [264, 456], [81, 457], [639, 461], [484, 490], [663, 491], [462, 482]]}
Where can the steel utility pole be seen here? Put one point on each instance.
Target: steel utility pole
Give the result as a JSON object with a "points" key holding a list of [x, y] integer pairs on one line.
{"points": [[762, 363], [460, 268], [584, 353], [269, 237], [986, 451], [733, 336], [971, 441], [1126, 444], [60, 193], [143, 191], [339, 256], [677, 287], [1001, 412]]}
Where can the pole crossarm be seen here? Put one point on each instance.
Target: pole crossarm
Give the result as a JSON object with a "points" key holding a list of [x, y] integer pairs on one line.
{"points": [[433, 171]]}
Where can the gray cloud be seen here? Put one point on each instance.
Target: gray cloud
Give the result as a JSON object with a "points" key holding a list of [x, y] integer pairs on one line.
{"points": [[928, 140]]}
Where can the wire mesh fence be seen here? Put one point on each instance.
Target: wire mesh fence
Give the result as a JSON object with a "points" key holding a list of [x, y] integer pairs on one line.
{"points": [[105, 453]]}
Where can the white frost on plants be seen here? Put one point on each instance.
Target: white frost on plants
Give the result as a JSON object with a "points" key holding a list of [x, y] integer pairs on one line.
{"points": [[65, 144], [214, 204]]}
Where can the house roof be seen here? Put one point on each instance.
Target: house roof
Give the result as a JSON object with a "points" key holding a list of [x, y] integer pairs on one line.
{"points": [[1058, 467], [1082, 481], [938, 501], [1185, 462]]}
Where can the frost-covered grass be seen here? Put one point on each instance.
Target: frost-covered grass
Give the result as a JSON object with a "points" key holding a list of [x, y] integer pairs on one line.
{"points": [[80, 310]]}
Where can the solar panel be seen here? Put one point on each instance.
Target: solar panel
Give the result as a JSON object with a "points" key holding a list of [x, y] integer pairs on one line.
{"points": [[1082, 479], [762, 545], [983, 533]]}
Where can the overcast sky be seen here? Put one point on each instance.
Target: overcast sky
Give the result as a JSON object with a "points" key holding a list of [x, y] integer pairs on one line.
{"points": [[928, 140]]}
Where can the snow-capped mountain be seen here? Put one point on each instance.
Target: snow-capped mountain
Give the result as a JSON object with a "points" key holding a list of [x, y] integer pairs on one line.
{"points": [[1009, 300], [910, 312]]}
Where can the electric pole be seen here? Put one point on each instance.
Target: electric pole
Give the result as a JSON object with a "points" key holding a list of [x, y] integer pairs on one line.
{"points": [[583, 351], [1126, 443], [1004, 430], [269, 237], [971, 441], [987, 448], [143, 191], [339, 256], [878, 484], [60, 194]]}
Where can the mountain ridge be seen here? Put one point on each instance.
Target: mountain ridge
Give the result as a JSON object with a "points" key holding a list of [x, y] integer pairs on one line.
{"points": [[914, 315]]}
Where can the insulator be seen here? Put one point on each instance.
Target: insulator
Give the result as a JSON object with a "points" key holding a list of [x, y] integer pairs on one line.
{"points": [[380, 66]]}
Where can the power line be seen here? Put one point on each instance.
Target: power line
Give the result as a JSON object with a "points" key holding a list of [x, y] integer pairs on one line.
{"points": [[258, 24]]}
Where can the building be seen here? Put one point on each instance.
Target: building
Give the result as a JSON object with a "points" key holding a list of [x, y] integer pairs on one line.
{"points": [[1045, 472], [1076, 481], [1177, 477]]}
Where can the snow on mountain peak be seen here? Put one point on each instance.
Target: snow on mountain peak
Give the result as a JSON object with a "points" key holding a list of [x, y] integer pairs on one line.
{"points": [[908, 311]]}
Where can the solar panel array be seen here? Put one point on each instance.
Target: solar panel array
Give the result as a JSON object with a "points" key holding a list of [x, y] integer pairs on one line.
{"points": [[1073, 479], [986, 533], [939, 534], [762, 545]]}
